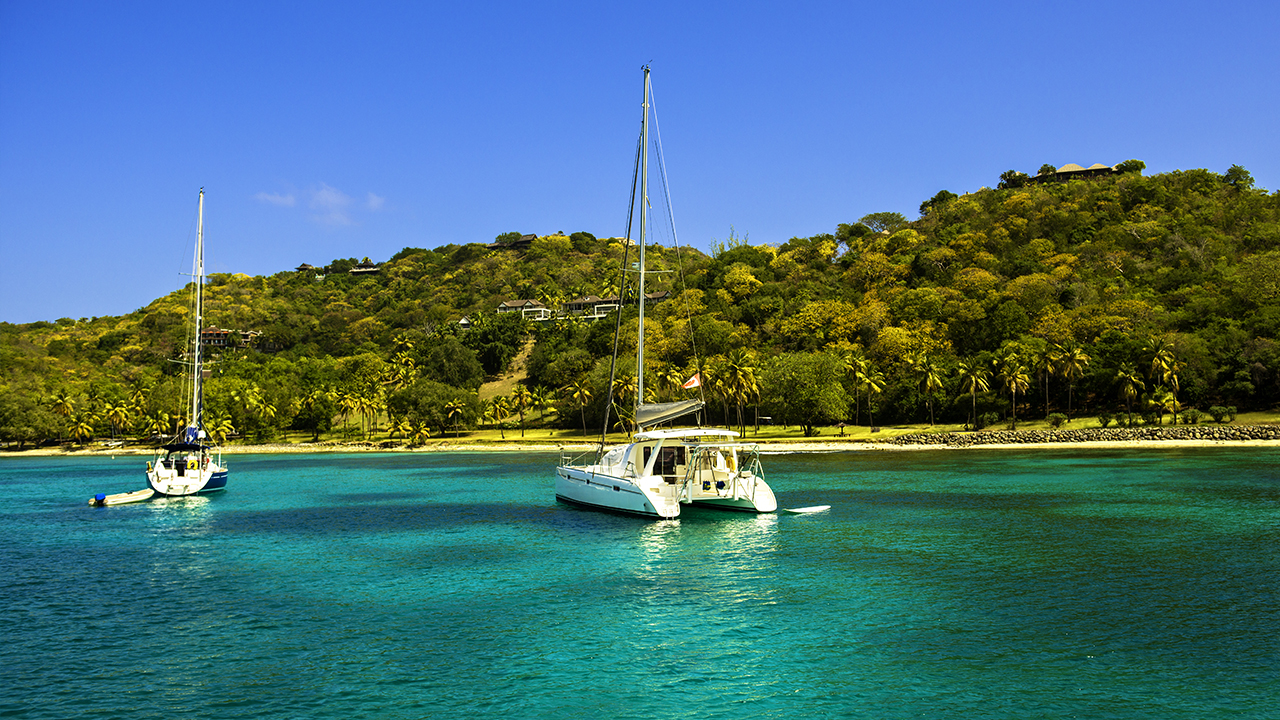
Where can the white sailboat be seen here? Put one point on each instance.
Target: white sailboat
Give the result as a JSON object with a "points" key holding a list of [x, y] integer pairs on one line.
{"points": [[187, 465], [661, 470]]}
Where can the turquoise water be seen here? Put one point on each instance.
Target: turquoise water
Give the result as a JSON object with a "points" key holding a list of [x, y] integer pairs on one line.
{"points": [[975, 584]]}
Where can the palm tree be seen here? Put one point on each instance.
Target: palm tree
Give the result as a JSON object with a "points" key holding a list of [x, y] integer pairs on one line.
{"points": [[580, 392], [714, 379], [139, 397], [94, 398], [1046, 363], [454, 410], [64, 404], [311, 400], [118, 415], [400, 426], [930, 380], [360, 406], [1014, 374], [740, 379], [544, 401], [347, 402], [375, 405], [82, 427], [552, 297], [486, 413], [1072, 363], [540, 401], [401, 371], [498, 411], [671, 379], [872, 384], [624, 389], [856, 366], [157, 423], [1164, 400], [1165, 368], [419, 433], [1130, 385], [220, 428], [1171, 377], [974, 378], [521, 398]]}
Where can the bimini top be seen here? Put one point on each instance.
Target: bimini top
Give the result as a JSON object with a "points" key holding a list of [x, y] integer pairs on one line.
{"points": [[681, 433]]}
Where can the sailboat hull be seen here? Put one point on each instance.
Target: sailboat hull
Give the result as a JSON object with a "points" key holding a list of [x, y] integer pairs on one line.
{"points": [[168, 482], [588, 488]]}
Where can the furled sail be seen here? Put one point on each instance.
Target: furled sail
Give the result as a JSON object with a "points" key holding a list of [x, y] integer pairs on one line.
{"points": [[651, 414]]}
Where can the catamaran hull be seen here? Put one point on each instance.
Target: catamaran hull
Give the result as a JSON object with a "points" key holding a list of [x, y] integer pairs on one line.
{"points": [[753, 496], [586, 488], [734, 505], [602, 492]]}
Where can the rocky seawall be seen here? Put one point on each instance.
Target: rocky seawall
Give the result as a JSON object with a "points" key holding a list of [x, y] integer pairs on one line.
{"points": [[1204, 433]]}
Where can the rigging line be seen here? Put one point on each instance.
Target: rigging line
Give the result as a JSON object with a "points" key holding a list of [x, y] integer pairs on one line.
{"points": [[622, 277], [675, 243], [662, 170], [191, 349]]}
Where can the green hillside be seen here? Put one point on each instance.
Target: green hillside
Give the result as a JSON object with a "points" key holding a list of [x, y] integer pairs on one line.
{"points": [[1120, 293]]}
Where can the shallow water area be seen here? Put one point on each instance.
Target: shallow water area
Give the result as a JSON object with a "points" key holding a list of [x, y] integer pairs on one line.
{"points": [[987, 584]]}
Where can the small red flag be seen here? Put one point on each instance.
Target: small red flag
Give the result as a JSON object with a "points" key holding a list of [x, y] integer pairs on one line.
{"points": [[693, 382]]}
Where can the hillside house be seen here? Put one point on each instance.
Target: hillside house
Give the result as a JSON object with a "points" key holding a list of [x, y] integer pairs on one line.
{"points": [[1072, 171], [529, 309]]}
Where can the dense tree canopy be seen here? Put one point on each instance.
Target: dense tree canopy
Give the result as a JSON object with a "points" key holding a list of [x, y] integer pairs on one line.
{"points": [[1175, 276]]}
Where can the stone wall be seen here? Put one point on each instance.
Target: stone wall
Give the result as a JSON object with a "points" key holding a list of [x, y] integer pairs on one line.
{"points": [[1084, 435]]}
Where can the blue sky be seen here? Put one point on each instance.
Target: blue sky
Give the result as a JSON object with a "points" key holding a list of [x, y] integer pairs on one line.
{"points": [[325, 130]]}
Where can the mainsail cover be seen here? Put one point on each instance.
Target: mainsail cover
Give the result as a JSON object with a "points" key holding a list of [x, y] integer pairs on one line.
{"points": [[651, 414]]}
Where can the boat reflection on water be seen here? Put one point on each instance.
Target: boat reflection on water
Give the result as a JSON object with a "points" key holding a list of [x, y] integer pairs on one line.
{"points": [[708, 555], [183, 504], [190, 515], [655, 537]]}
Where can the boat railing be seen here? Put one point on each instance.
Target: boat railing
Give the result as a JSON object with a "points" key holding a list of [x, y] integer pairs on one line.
{"points": [[702, 463], [568, 458], [755, 469]]}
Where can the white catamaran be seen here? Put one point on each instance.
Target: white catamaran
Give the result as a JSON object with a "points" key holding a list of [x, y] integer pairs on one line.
{"points": [[185, 465], [662, 469]]}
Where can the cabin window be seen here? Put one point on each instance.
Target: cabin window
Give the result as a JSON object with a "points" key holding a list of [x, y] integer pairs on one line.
{"points": [[668, 459]]}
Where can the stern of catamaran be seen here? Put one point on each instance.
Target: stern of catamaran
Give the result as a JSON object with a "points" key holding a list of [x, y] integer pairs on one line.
{"points": [[727, 476]]}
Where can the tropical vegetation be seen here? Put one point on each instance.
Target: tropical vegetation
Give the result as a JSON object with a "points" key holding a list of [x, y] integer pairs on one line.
{"points": [[1150, 298]]}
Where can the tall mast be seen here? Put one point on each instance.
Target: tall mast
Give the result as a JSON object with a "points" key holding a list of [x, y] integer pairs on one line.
{"points": [[196, 374], [644, 211]]}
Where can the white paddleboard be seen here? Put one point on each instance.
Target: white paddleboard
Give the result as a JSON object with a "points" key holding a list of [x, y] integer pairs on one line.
{"points": [[812, 509]]}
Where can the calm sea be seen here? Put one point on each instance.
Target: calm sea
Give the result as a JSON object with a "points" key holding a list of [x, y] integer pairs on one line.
{"points": [[962, 584]]}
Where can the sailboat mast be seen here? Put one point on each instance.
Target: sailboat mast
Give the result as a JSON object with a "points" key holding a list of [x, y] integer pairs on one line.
{"points": [[644, 212], [196, 378]]}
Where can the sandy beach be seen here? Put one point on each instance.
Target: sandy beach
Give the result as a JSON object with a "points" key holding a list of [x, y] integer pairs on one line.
{"points": [[766, 446]]}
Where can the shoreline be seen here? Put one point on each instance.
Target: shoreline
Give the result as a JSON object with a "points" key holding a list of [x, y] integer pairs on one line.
{"points": [[966, 441]]}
